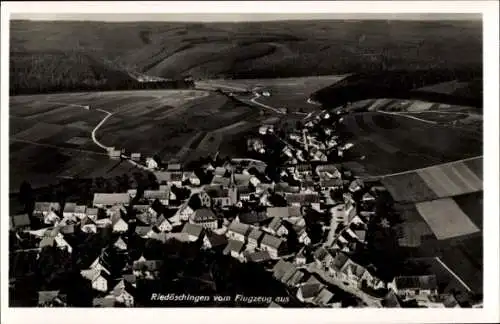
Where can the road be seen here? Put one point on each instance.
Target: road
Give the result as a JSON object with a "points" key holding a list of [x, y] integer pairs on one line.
{"points": [[108, 114], [257, 96], [407, 116]]}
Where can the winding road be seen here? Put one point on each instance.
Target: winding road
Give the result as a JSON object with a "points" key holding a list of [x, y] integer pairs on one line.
{"points": [[108, 114]]}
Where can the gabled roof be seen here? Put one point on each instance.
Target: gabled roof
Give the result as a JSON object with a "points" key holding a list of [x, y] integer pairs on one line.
{"points": [[143, 230], [44, 206], [324, 297], [234, 246], [192, 229], [335, 182], [416, 282], [272, 241], [255, 234], [275, 224], [103, 301], [80, 209], [168, 176], [92, 211], [156, 194], [216, 239], [203, 215], [111, 198], [87, 221], [310, 290], [239, 228], [259, 256], [283, 267], [303, 198], [69, 207], [340, 260]]}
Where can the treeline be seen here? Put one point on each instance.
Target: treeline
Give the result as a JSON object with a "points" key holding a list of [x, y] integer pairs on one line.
{"points": [[50, 72]]}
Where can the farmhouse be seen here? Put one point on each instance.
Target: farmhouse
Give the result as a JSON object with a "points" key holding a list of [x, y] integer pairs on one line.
{"points": [[276, 227], [272, 244], [235, 249], [106, 200], [238, 231], [205, 218], [114, 154], [42, 209], [162, 196], [254, 238], [414, 287], [136, 157]]}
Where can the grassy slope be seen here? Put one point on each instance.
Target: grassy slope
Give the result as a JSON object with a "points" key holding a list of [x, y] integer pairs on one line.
{"points": [[252, 50]]}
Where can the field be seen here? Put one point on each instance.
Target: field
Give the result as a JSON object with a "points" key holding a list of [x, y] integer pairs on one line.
{"points": [[393, 143], [50, 134], [291, 93], [228, 50], [440, 181]]}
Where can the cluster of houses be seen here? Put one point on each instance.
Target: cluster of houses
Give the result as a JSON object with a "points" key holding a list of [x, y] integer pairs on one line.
{"points": [[235, 212]]}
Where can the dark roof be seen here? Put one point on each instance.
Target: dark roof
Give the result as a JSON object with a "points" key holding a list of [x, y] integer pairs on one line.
{"points": [[255, 234], [259, 256], [310, 290], [272, 241], [142, 230], [103, 302], [216, 239], [391, 300], [239, 228], [203, 215], [233, 245], [156, 194], [416, 282], [282, 267], [166, 176], [285, 212], [150, 265], [192, 229], [46, 296], [242, 190], [20, 220], [339, 260], [331, 182], [252, 217]]}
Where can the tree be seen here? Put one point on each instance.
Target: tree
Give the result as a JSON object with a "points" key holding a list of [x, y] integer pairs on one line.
{"points": [[26, 197]]}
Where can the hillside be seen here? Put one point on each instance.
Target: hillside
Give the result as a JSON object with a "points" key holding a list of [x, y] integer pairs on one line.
{"points": [[95, 51]]}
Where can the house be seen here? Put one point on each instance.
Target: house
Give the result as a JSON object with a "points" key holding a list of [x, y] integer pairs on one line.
{"points": [[414, 287], [303, 237], [283, 270], [245, 192], [391, 300], [309, 291], [51, 218], [235, 249], [193, 231], [136, 157], [151, 163], [174, 166], [356, 185], [283, 212], [122, 294], [120, 244], [256, 256], [80, 211], [184, 212], [300, 258], [42, 209], [252, 217], [223, 197], [343, 214], [328, 171], [212, 241], [69, 210], [163, 224], [107, 200], [323, 298], [162, 196], [254, 238], [50, 298], [87, 225], [92, 213], [331, 184], [205, 218], [20, 222], [276, 227], [118, 224], [191, 177], [107, 301], [301, 199], [144, 231], [67, 229], [272, 244], [172, 178], [323, 258], [238, 231], [99, 278], [147, 269], [368, 198], [114, 154]]}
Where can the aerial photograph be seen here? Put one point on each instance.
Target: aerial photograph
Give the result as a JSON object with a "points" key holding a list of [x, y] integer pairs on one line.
{"points": [[264, 161]]}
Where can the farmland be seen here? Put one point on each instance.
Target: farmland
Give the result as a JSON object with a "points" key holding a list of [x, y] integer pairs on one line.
{"points": [[50, 134], [393, 143]]}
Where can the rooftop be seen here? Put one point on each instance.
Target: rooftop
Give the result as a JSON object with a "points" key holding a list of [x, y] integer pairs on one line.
{"points": [[111, 198]]}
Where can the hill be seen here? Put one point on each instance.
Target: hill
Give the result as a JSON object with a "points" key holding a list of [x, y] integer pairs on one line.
{"points": [[236, 50]]}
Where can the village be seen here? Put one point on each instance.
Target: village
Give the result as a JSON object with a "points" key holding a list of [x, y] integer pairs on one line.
{"points": [[306, 221]]}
